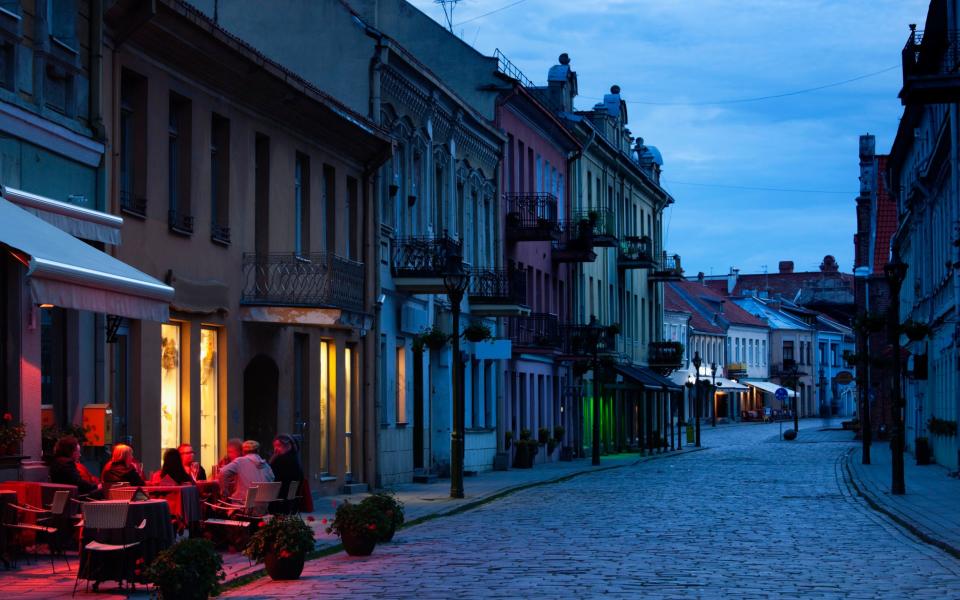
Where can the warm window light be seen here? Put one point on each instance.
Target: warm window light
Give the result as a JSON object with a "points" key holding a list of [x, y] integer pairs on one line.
{"points": [[46, 305]]}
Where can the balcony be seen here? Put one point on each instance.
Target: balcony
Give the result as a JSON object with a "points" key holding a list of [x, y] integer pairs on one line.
{"points": [[498, 293], [180, 222], [576, 342], [603, 226], [418, 264], [532, 218], [735, 370], [320, 280], [635, 253], [535, 333], [931, 67], [575, 244], [665, 357], [667, 268]]}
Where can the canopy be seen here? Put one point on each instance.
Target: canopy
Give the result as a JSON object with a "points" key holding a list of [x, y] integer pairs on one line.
{"points": [[770, 388], [67, 272], [728, 385], [79, 222], [648, 378]]}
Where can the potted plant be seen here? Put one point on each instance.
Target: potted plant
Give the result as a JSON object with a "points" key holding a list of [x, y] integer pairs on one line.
{"points": [[614, 329], [359, 527], [922, 451], [477, 332], [527, 449], [392, 509], [434, 338], [543, 435], [551, 446], [507, 439], [11, 434], [942, 427], [558, 432], [281, 544], [188, 570]]}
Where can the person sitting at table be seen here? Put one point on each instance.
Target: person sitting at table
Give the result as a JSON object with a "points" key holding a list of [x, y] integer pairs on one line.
{"points": [[172, 471], [237, 477], [121, 468], [66, 468], [186, 456], [234, 451], [285, 462]]}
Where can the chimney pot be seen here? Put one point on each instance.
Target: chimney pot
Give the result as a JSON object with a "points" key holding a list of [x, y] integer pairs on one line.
{"points": [[786, 266], [564, 59], [614, 89]]}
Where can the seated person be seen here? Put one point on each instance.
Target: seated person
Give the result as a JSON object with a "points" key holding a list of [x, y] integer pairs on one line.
{"points": [[66, 467], [234, 451], [285, 462], [237, 477], [186, 456], [121, 468], [172, 471]]}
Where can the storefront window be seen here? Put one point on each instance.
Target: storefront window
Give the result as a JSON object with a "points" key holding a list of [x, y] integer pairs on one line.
{"points": [[325, 382], [208, 397], [170, 386], [348, 411]]}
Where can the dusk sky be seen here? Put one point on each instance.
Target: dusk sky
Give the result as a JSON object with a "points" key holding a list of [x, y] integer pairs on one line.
{"points": [[680, 63]]}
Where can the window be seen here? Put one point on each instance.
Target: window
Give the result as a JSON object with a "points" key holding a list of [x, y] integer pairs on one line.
{"points": [[209, 397], [750, 347], [132, 142], [787, 350], [328, 386], [219, 179], [352, 232], [348, 413], [329, 209], [262, 195], [170, 382], [401, 383], [301, 204], [178, 165], [737, 348]]}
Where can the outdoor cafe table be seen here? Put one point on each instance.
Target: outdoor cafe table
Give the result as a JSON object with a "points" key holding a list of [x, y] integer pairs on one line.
{"points": [[184, 500], [156, 536], [39, 494]]}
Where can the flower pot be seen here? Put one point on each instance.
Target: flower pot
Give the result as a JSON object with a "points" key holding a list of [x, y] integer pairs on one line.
{"points": [[357, 544], [283, 567], [389, 533]]}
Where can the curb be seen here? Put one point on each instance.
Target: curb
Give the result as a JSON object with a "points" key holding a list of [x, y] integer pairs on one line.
{"points": [[336, 548], [917, 532]]}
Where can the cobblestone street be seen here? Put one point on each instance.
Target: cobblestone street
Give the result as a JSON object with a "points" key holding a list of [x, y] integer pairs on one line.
{"points": [[749, 516]]}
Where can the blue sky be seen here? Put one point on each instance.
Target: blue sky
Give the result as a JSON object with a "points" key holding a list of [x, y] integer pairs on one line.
{"points": [[697, 51]]}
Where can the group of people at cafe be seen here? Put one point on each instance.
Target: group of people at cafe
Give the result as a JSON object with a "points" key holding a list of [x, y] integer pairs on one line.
{"points": [[242, 467]]}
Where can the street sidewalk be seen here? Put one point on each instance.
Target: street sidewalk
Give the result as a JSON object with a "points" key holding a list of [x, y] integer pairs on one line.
{"points": [[930, 508]]}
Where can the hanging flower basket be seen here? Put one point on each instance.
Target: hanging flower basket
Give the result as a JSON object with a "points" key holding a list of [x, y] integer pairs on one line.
{"points": [[915, 330], [433, 338], [477, 332]]}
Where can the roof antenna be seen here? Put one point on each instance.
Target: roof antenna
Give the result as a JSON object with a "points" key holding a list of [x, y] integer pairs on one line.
{"points": [[448, 6]]}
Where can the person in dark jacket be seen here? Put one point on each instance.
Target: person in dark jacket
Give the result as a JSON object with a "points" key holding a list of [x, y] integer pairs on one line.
{"points": [[121, 467], [187, 457], [66, 468], [285, 462], [172, 471]]}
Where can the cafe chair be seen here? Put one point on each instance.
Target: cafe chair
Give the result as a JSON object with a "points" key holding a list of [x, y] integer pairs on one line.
{"points": [[232, 509], [47, 525], [102, 518], [267, 492], [121, 493], [293, 500]]}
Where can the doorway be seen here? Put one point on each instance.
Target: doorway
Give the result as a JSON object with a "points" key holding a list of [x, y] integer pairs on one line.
{"points": [[260, 381]]}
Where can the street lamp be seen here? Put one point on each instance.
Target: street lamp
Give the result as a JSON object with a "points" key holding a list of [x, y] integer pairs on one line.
{"points": [[895, 273], [697, 361], [793, 375], [591, 335], [713, 393], [863, 374], [455, 281]]}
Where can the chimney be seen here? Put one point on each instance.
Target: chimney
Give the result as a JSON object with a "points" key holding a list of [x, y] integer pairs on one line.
{"points": [[732, 280], [562, 84], [786, 266], [700, 278], [829, 265]]}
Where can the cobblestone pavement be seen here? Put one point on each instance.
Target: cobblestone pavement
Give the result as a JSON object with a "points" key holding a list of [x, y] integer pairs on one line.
{"points": [[749, 517]]}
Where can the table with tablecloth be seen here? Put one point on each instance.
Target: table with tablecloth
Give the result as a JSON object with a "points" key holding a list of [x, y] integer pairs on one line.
{"points": [[156, 536], [184, 500], [209, 489], [38, 494]]}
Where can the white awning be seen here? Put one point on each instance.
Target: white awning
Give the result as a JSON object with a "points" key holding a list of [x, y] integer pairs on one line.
{"points": [[76, 220], [67, 272], [770, 388], [728, 385]]}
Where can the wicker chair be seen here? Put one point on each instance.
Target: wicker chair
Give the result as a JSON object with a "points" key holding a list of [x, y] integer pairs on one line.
{"points": [[48, 525], [109, 515], [125, 492]]}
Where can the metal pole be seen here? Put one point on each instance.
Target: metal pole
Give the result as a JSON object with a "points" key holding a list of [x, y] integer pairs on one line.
{"points": [[457, 433], [696, 406], [796, 400], [596, 408], [898, 485]]}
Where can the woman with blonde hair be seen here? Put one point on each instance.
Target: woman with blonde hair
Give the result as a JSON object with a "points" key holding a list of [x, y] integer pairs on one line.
{"points": [[121, 468]]}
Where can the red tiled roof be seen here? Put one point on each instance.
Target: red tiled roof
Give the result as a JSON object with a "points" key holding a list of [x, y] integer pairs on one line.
{"points": [[731, 312], [672, 301], [698, 320], [886, 220]]}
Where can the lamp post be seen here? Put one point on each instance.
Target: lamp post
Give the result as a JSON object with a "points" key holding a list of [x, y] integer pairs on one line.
{"points": [[795, 380], [713, 394], [895, 273], [455, 281], [591, 334], [863, 375], [683, 413], [697, 361]]}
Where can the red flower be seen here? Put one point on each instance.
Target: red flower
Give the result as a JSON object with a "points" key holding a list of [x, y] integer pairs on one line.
{"points": [[7, 417], [136, 572], [139, 561], [284, 554], [310, 518], [372, 527], [262, 524], [323, 520]]}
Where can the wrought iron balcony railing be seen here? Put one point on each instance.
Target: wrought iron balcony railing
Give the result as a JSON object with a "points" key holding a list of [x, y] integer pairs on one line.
{"points": [[575, 243], [931, 67], [180, 222], [636, 253], [602, 225], [538, 330], [667, 268], [665, 356], [220, 233], [581, 341], [425, 256], [497, 286], [532, 217], [132, 205], [318, 280]]}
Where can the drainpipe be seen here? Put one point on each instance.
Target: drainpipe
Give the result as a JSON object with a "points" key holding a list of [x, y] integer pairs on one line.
{"points": [[954, 139], [95, 110]]}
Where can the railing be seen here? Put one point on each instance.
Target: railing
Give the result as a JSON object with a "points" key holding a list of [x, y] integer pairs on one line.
{"points": [[665, 355], [425, 256], [133, 205], [532, 216], [498, 286], [636, 252], [220, 233], [539, 330], [320, 279], [581, 341], [931, 55], [510, 70], [667, 268], [180, 222], [603, 225]]}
